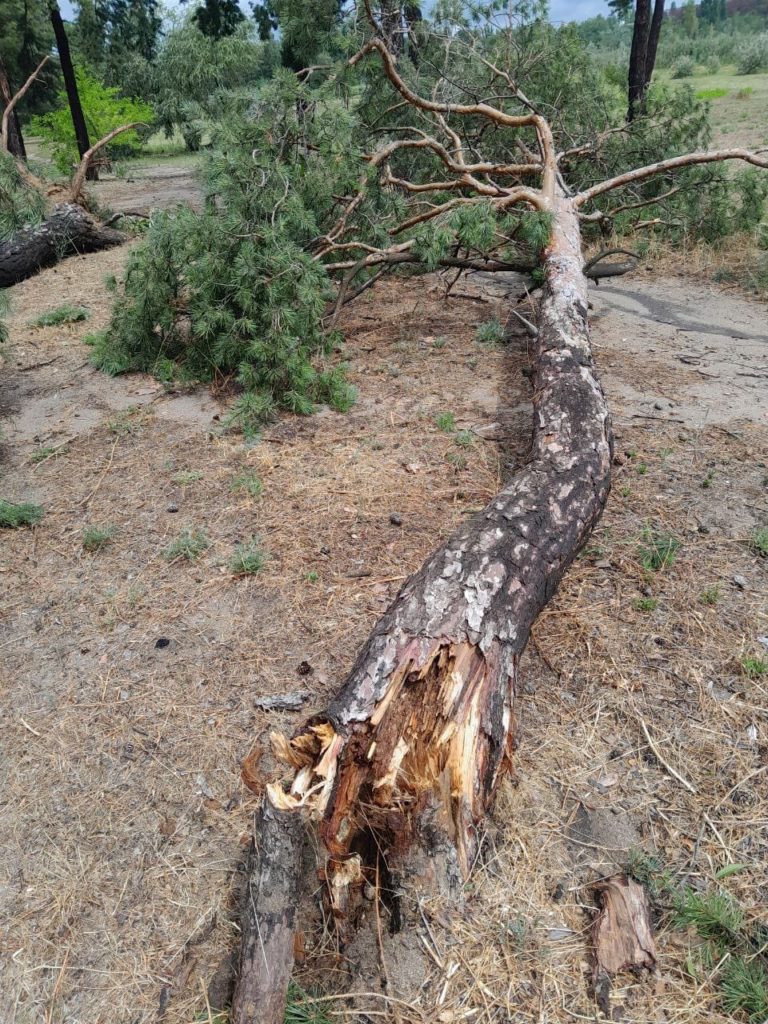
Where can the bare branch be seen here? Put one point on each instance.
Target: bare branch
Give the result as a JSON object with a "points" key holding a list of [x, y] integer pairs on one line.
{"points": [[535, 121], [15, 99], [79, 176], [688, 160]]}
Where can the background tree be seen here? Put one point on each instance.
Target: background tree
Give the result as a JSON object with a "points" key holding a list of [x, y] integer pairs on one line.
{"points": [[642, 57], [70, 84], [218, 18]]}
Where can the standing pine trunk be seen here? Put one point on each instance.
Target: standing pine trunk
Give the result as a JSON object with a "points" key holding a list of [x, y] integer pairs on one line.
{"points": [[15, 138], [70, 84], [403, 765], [642, 57]]}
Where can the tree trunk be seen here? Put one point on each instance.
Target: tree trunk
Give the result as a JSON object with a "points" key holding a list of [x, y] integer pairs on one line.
{"points": [[653, 44], [68, 229], [70, 84], [267, 921], [15, 138], [402, 766], [637, 58]]}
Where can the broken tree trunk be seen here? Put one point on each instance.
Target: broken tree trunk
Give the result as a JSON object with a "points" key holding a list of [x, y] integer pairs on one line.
{"points": [[68, 229], [267, 920], [401, 767]]}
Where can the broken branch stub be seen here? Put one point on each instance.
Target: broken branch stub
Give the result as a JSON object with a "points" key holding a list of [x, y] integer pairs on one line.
{"points": [[406, 758]]}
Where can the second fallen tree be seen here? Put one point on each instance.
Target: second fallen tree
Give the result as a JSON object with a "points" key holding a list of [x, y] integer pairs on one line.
{"points": [[399, 770]]}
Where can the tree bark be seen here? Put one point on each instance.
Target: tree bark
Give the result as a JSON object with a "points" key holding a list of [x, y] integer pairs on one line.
{"points": [[402, 766], [68, 229], [267, 921], [653, 42], [15, 139], [637, 58], [642, 57], [70, 84]]}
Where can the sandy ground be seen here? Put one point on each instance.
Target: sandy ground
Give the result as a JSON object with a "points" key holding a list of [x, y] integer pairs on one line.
{"points": [[128, 681]]}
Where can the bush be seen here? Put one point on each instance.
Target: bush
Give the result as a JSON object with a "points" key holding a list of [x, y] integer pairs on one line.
{"points": [[103, 108], [752, 55], [683, 67]]}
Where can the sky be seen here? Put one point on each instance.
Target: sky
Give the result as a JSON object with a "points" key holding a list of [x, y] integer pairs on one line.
{"points": [[560, 10]]}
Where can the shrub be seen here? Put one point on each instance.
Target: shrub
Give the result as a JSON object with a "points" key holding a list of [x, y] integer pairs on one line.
{"points": [[103, 108], [752, 55], [683, 67], [490, 333]]}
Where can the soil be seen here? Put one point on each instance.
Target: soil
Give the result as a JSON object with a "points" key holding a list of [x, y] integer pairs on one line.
{"points": [[129, 679]]}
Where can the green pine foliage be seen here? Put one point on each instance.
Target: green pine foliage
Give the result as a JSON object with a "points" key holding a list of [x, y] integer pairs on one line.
{"points": [[235, 291], [20, 204]]}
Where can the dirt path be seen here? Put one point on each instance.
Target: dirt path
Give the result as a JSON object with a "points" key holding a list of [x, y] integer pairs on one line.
{"points": [[151, 185], [129, 681]]}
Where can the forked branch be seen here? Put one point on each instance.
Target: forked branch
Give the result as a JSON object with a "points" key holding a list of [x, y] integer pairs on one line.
{"points": [[78, 179], [15, 100]]}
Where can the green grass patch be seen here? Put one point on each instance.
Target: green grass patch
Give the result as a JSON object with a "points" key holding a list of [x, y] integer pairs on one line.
{"points": [[446, 422], [248, 481], [189, 545], [710, 595], [12, 516], [711, 94], [658, 550], [754, 668], [300, 1007], [248, 558], [97, 537], [66, 314], [645, 604]]}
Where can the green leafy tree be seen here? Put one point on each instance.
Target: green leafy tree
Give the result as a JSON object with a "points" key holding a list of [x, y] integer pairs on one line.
{"points": [[104, 109]]}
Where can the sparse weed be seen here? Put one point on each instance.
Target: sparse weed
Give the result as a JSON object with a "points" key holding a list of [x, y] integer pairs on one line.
{"points": [[744, 984], [301, 1008], [456, 460], [707, 481], [125, 424], [248, 481], [12, 516], [446, 422], [659, 550], [189, 545], [490, 333], [185, 477], [312, 577], [42, 453], [65, 314], [710, 595], [439, 343], [645, 604], [248, 559], [715, 915], [464, 439], [625, 492], [758, 541], [95, 537], [642, 468]]}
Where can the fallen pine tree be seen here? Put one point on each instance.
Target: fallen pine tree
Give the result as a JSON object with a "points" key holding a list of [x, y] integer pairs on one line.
{"points": [[398, 772], [66, 226]]}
